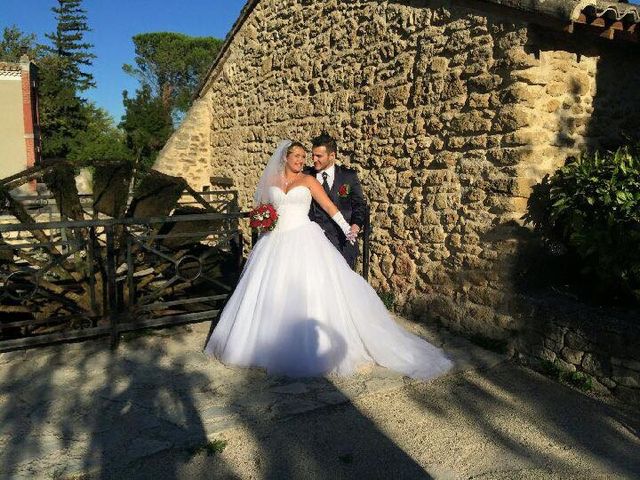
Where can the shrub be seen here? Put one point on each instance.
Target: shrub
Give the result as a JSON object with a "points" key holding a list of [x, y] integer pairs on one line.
{"points": [[591, 207], [388, 298]]}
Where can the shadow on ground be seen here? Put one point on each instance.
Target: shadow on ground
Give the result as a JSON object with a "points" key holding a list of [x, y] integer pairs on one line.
{"points": [[531, 424], [83, 408], [151, 409]]}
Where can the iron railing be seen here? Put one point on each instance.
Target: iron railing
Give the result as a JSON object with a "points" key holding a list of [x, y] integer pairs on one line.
{"points": [[105, 277]]}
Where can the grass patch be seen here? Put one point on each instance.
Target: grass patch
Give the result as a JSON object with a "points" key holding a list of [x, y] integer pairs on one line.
{"points": [[210, 448], [577, 379], [580, 380]]}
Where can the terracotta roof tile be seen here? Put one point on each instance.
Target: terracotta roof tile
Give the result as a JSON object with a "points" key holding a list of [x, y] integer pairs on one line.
{"points": [[570, 10]]}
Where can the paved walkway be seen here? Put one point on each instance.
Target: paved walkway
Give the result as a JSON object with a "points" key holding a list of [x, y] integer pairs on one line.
{"points": [[158, 408]]}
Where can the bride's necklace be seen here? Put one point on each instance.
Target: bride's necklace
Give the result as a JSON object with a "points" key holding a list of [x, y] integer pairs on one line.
{"points": [[289, 182]]}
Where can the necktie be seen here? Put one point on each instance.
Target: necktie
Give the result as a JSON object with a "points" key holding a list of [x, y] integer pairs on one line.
{"points": [[325, 185]]}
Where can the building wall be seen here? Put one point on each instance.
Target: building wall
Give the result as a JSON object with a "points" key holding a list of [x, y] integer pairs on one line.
{"points": [[449, 113], [188, 152], [13, 153]]}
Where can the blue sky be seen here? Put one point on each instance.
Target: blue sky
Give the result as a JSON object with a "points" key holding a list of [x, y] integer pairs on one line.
{"points": [[114, 22]]}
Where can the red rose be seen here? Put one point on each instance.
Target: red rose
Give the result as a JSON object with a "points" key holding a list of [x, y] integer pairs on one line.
{"points": [[263, 217], [344, 190]]}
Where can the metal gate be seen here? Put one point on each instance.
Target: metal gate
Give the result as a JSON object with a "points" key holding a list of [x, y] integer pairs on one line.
{"points": [[66, 280]]}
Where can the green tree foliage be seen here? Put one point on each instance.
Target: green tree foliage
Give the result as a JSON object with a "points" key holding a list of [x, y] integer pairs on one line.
{"points": [[147, 124], [61, 110], [592, 206], [101, 140], [172, 65], [72, 128], [67, 42], [15, 43]]}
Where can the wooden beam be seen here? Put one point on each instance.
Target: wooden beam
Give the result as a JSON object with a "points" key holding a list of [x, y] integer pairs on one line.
{"points": [[223, 181]]}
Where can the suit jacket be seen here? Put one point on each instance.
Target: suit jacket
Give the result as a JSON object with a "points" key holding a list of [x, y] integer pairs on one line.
{"points": [[352, 206]]}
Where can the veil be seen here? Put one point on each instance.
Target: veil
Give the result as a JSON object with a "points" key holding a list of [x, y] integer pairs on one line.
{"points": [[272, 174]]}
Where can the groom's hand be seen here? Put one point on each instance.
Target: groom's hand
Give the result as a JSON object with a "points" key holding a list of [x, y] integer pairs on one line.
{"points": [[353, 234]]}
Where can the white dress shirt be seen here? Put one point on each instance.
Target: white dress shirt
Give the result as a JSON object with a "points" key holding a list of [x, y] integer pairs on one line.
{"points": [[331, 175]]}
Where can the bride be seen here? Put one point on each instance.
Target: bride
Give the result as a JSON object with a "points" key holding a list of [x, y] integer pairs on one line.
{"points": [[299, 309]]}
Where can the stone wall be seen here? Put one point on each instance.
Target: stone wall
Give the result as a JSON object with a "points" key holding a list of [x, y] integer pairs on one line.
{"points": [[597, 348], [448, 111], [188, 152]]}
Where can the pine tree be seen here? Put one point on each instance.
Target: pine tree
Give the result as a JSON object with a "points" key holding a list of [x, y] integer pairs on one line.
{"points": [[67, 42], [61, 110], [172, 65], [147, 124], [15, 43]]}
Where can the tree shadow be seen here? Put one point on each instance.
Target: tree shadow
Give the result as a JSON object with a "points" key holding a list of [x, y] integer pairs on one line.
{"points": [[150, 409], [504, 402], [105, 417], [333, 439]]}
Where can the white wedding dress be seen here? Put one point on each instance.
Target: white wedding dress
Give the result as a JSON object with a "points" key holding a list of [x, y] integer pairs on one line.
{"points": [[299, 310]]}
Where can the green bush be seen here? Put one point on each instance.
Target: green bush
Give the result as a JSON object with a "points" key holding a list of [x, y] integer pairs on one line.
{"points": [[578, 379], [591, 207], [388, 298]]}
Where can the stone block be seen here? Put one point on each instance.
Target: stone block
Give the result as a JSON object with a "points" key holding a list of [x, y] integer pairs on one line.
{"points": [[628, 395], [484, 83], [565, 366], [531, 76], [517, 59], [553, 105], [397, 96], [577, 342], [556, 89], [626, 363], [551, 344], [607, 382], [624, 376], [598, 388], [520, 92], [571, 355], [439, 64], [546, 354], [478, 100], [593, 365], [470, 122], [511, 118]]}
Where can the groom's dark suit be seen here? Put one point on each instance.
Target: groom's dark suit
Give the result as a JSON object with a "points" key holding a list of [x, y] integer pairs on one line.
{"points": [[346, 193]]}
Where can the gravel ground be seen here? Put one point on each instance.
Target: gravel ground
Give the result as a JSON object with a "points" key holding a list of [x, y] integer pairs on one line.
{"points": [[159, 409]]}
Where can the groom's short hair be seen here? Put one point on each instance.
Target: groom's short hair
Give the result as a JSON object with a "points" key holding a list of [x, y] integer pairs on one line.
{"points": [[327, 141]]}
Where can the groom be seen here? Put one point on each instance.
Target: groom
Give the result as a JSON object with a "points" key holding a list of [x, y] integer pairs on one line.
{"points": [[343, 187]]}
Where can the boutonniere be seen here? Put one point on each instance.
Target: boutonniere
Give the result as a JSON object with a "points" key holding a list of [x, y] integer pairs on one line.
{"points": [[344, 190]]}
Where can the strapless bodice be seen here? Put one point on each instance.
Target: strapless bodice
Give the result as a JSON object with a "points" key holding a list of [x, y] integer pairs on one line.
{"points": [[292, 207]]}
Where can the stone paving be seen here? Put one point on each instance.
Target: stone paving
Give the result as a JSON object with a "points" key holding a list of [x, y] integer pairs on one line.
{"points": [[82, 411]]}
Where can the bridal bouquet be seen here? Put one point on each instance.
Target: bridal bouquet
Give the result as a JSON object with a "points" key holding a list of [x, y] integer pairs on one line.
{"points": [[264, 217]]}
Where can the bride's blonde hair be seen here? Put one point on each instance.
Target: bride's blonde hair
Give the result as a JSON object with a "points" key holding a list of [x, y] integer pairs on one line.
{"points": [[295, 145]]}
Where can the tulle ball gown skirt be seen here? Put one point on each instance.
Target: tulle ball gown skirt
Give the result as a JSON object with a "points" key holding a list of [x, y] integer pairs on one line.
{"points": [[299, 310]]}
